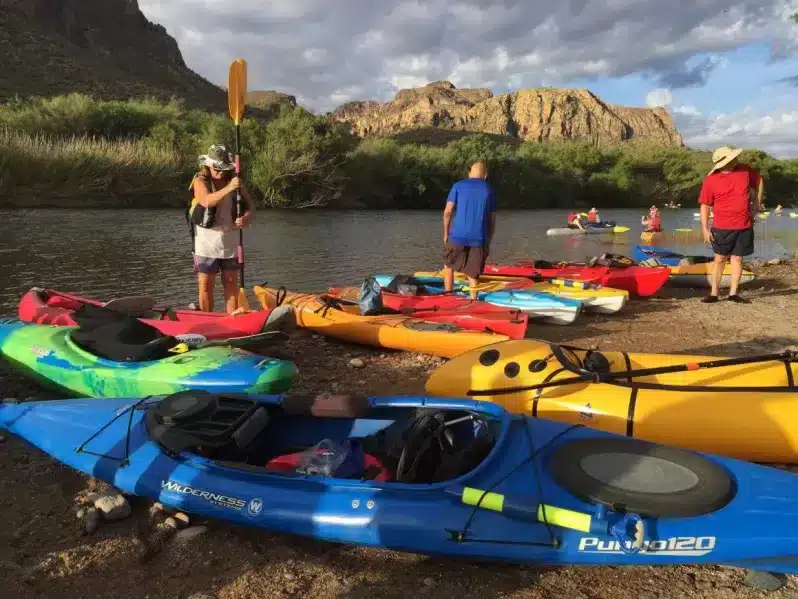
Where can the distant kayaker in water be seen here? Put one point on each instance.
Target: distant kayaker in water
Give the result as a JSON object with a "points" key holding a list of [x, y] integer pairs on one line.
{"points": [[469, 221], [213, 214], [575, 221], [652, 222], [593, 216], [727, 190]]}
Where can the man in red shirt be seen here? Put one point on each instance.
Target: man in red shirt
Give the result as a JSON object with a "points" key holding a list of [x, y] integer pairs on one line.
{"points": [[726, 190]]}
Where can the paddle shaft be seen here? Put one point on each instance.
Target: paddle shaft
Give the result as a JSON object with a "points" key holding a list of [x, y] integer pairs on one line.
{"points": [[603, 377], [239, 207]]}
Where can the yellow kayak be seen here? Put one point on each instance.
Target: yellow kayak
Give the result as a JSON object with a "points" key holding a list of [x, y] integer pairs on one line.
{"points": [[342, 320], [595, 298], [746, 411], [648, 236], [699, 276]]}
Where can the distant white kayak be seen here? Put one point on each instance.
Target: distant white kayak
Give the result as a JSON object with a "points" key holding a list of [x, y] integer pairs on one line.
{"points": [[589, 231]]}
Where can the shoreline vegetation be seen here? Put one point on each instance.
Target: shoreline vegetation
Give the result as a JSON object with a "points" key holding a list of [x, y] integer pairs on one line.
{"points": [[74, 151]]}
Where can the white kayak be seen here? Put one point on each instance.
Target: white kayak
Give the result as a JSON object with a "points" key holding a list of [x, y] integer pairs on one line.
{"points": [[589, 231]]}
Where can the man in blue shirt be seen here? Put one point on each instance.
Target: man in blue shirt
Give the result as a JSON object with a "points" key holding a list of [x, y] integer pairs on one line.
{"points": [[469, 221]]}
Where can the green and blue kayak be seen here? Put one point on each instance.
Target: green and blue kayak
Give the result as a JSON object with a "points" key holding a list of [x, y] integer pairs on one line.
{"points": [[50, 355]]}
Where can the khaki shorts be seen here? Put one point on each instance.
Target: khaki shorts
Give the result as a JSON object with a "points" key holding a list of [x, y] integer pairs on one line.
{"points": [[465, 259]]}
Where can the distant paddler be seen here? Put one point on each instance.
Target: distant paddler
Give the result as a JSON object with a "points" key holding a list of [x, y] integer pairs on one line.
{"points": [[576, 221], [652, 222], [593, 216], [469, 222]]}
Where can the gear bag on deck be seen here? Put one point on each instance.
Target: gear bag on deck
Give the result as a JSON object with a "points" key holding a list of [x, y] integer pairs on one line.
{"points": [[370, 298]]}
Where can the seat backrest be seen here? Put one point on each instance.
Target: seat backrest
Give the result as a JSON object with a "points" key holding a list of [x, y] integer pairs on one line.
{"points": [[254, 425]]}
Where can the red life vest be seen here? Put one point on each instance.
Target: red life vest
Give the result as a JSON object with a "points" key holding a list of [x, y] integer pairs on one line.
{"points": [[592, 216], [572, 216], [655, 223]]}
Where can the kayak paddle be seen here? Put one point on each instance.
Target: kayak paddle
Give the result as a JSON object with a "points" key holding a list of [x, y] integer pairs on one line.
{"points": [[191, 341], [236, 92]]}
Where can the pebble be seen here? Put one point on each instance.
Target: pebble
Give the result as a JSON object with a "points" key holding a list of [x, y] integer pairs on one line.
{"points": [[356, 363], [81, 513], [289, 576], [91, 520], [113, 507], [192, 532], [182, 519], [383, 356], [429, 581], [178, 521], [774, 262], [156, 508]]}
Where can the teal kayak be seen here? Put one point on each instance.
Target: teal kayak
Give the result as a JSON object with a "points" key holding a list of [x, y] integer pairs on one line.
{"points": [[51, 355]]}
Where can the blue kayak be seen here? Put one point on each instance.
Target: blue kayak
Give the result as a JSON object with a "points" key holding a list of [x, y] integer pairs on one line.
{"points": [[665, 256], [434, 476], [541, 305]]}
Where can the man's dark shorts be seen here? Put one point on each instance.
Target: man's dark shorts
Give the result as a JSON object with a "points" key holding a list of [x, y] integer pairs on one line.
{"points": [[733, 242], [465, 259], [210, 266]]}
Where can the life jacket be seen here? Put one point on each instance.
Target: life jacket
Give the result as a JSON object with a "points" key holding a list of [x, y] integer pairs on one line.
{"points": [[655, 223], [592, 216], [198, 215], [572, 216]]}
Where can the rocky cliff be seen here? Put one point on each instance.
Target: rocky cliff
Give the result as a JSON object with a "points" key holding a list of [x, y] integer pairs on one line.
{"points": [[531, 114]]}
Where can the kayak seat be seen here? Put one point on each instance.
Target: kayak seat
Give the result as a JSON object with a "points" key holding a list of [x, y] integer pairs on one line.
{"points": [[118, 337], [206, 423]]}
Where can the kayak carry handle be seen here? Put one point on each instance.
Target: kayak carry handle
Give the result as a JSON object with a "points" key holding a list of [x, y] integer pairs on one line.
{"points": [[628, 530]]}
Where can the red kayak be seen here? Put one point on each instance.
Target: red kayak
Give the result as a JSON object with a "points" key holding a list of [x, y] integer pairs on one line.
{"points": [[637, 280], [454, 309], [46, 306]]}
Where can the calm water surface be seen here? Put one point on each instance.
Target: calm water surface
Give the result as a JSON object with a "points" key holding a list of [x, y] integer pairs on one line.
{"points": [[106, 253]]}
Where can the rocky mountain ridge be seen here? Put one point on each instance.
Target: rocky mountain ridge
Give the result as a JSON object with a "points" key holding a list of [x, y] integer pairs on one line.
{"points": [[539, 114]]}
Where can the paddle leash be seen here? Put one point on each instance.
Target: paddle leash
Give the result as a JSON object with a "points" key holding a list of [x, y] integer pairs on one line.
{"points": [[236, 92]]}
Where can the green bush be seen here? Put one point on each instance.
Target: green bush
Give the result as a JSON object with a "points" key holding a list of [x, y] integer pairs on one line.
{"points": [[74, 148]]}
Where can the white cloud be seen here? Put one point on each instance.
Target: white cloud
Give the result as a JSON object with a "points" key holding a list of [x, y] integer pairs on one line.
{"points": [[659, 97], [313, 48], [775, 132], [687, 109]]}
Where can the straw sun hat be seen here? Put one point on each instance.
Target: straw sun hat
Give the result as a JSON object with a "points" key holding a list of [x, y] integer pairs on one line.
{"points": [[723, 156]]}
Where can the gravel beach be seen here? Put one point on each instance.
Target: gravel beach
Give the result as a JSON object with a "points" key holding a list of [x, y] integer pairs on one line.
{"points": [[131, 549]]}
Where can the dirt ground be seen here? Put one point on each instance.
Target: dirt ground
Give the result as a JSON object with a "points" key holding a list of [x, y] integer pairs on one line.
{"points": [[44, 552]]}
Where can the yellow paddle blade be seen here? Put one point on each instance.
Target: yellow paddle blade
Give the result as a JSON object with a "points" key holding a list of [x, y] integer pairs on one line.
{"points": [[180, 348], [243, 302], [237, 90]]}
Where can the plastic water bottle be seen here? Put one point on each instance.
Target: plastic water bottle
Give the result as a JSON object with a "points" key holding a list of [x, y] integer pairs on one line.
{"points": [[323, 459]]}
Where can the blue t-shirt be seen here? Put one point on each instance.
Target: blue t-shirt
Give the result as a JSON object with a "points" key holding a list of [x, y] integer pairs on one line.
{"points": [[473, 203]]}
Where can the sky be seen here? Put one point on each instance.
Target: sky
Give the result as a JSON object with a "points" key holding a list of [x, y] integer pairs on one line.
{"points": [[727, 70]]}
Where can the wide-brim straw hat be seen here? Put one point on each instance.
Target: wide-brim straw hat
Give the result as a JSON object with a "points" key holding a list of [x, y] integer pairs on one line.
{"points": [[723, 156]]}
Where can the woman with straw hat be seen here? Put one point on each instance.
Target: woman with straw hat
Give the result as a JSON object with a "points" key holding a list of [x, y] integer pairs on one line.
{"points": [[214, 225], [726, 191]]}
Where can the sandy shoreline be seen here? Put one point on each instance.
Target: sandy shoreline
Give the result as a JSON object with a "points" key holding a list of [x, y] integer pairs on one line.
{"points": [[44, 552]]}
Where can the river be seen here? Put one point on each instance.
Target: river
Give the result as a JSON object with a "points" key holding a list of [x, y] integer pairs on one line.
{"points": [[106, 252]]}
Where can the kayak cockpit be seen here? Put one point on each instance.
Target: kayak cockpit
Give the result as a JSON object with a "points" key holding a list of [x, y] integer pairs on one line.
{"points": [[343, 437]]}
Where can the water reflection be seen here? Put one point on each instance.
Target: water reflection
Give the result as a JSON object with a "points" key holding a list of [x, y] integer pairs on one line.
{"points": [[103, 253]]}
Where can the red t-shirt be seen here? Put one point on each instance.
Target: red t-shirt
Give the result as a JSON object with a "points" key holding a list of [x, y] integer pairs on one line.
{"points": [[727, 193]]}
